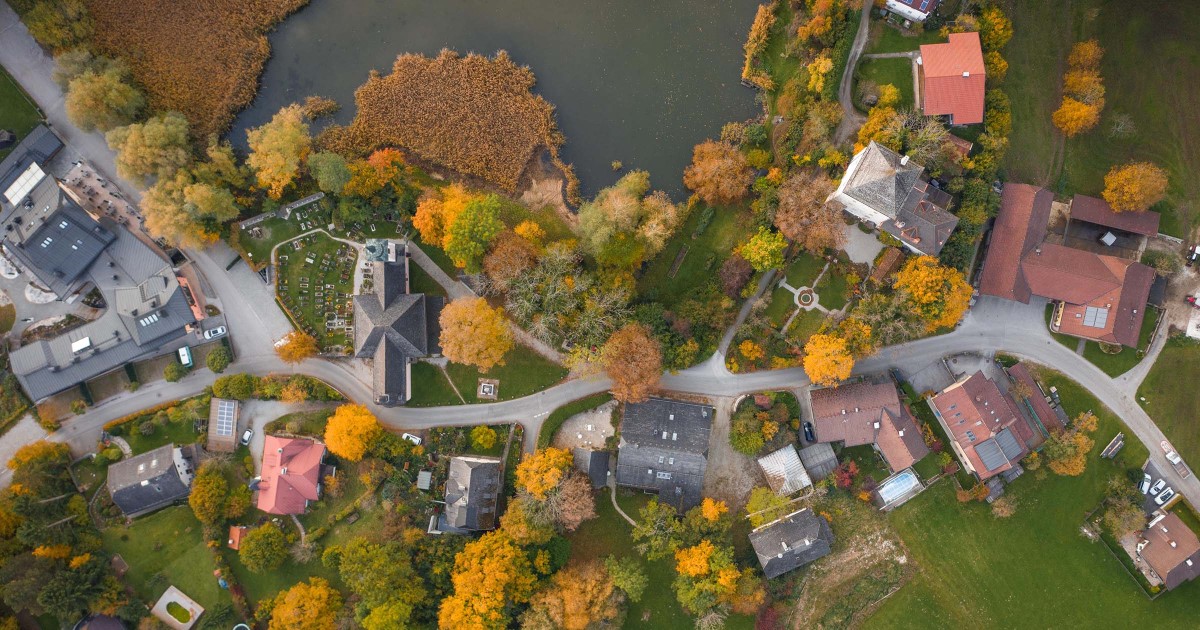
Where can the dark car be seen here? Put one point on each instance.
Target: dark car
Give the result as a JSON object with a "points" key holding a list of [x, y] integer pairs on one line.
{"points": [[808, 432]]}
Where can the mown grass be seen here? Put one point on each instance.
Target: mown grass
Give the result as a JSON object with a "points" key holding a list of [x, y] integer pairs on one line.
{"points": [[897, 72], [803, 271], [783, 302], [18, 114], [177, 433], [888, 39], [1125, 360], [557, 417], [1033, 569], [1172, 397], [524, 372], [430, 387], [833, 292]]}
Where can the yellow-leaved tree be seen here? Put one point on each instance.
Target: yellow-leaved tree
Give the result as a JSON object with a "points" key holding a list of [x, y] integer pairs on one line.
{"points": [[579, 597], [693, 561], [541, 472], [474, 333], [350, 431], [1135, 186], [490, 575], [711, 509], [297, 347], [827, 360], [437, 212], [939, 295], [278, 149], [311, 605]]}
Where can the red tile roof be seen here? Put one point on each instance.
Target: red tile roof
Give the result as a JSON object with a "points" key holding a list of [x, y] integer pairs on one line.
{"points": [[976, 408], [1071, 275], [954, 78], [291, 474], [1041, 408], [1093, 210], [868, 413], [236, 532], [1020, 228]]}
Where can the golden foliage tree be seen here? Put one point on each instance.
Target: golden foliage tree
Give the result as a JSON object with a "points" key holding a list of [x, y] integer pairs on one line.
{"points": [[350, 431], [474, 333], [995, 66], [817, 70], [278, 149], [311, 605], [579, 597], [627, 223], [37, 454], [827, 360], [1085, 55], [693, 561], [57, 24], [541, 472], [995, 29], [525, 522], [939, 295], [764, 250], [802, 215], [1074, 117], [632, 358], [719, 173], [103, 100], [490, 574], [297, 347], [1135, 186], [711, 509], [155, 148], [756, 43], [437, 212], [468, 237], [1083, 90]]}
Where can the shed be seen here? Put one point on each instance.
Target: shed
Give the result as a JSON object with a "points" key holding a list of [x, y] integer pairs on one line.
{"points": [[236, 533], [594, 463], [784, 471]]}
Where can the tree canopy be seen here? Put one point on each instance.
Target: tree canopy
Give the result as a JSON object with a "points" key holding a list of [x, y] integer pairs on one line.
{"points": [[297, 347], [278, 149], [350, 432], [474, 333], [719, 173], [1135, 186], [632, 358]]}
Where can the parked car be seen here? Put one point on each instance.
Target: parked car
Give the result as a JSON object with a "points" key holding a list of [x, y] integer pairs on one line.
{"points": [[1158, 486], [1145, 483], [246, 435], [1192, 255], [808, 432], [412, 438], [213, 333], [1174, 458], [1166, 495]]}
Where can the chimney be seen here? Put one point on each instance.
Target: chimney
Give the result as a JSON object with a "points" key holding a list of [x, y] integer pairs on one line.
{"points": [[1173, 545], [283, 471], [904, 161]]}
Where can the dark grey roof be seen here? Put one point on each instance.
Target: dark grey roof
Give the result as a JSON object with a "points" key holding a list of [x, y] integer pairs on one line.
{"points": [[991, 454], [472, 491], [39, 146], [53, 237], [149, 481], [1011, 448], [791, 542], [392, 327], [923, 222], [594, 463], [664, 448]]}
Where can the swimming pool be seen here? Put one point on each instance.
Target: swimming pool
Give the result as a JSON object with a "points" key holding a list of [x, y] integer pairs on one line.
{"points": [[897, 486]]}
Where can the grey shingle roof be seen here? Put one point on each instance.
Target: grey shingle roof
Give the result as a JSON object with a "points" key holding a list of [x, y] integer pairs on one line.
{"points": [[881, 180], [594, 464], [664, 448], [53, 237], [149, 481], [472, 491], [791, 542]]}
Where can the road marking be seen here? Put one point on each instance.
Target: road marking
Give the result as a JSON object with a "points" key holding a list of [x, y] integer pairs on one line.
{"points": [[539, 415]]}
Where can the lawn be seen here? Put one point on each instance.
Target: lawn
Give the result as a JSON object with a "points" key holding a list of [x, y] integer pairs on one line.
{"points": [[8, 317], [1033, 569], [869, 462], [524, 372], [888, 39], [897, 72], [274, 231], [167, 542], [177, 433], [430, 387], [806, 324], [316, 280], [1172, 396], [803, 271], [1149, 59], [783, 302], [729, 226], [419, 281], [18, 114], [560, 415], [609, 534], [832, 291], [311, 422]]}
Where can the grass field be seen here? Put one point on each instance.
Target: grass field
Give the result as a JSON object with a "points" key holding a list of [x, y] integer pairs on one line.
{"points": [[887, 39], [1033, 569], [803, 270], [1127, 358], [1172, 397], [524, 372], [897, 72], [832, 290], [167, 542], [430, 387], [177, 433], [705, 255], [18, 114], [1149, 61], [316, 271], [782, 304]]}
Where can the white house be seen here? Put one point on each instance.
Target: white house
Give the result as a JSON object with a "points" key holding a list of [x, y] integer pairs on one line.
{"points": [[912, 10]]}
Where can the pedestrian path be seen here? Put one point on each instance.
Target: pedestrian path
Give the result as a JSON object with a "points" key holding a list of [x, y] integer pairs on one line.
{"points": [[805, 298]]}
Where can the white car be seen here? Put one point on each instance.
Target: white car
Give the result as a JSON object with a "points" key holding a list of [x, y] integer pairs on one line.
{"points": [[1174, 458], [1166, 495], [1158, 486], [412, 438], [213, 333], [249, 433], [1145, 487]]}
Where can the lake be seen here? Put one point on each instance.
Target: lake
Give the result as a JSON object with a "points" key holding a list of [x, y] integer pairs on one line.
{"points": [[640, 81]]}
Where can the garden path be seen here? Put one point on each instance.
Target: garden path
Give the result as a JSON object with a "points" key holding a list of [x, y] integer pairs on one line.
{"points": [[851, 119], [612, 487]]}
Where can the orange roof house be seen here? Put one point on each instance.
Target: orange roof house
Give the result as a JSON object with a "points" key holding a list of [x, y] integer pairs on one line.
{"points": [[953, 79], [1098, 297], [236, 533], [291, 474]]}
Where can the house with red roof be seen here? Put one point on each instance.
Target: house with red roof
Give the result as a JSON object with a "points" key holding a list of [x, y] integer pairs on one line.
{"points": [[953, 79], [868, 413], [1171, 549], [1096, 296], [291, 474], [987, 431]]}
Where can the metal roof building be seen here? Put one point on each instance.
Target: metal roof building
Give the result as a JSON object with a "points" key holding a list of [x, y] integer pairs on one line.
{"points": [[791, 542], [784, 471], [222, 425]]}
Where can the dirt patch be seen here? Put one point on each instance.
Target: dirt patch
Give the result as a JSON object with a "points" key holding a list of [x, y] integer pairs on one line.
{"points": [[588, 429], [730, 476]]}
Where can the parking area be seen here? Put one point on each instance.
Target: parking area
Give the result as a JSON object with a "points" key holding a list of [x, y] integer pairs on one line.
{"points": [[1156, 476]]}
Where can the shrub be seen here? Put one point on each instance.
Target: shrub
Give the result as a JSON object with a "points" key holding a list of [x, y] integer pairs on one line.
{"points": [[218, 359]]}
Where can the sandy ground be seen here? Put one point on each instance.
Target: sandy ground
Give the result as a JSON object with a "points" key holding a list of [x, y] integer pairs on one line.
{"points": [[588, 429], [730, 476]]}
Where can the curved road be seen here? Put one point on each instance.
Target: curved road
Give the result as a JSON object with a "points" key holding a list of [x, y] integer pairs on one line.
{"points": [[254, 323]]}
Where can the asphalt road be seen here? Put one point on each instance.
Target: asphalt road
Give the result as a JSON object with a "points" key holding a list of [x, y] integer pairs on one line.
{"points": [[255, 323]]}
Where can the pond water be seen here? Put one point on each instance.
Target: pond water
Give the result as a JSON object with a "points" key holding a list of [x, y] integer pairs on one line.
{"points": [[632, 80]]}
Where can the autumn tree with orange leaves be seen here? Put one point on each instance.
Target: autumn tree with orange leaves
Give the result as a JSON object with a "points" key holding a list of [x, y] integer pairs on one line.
{"points": [[827, 360], [311, 605], [939, 295], [803, 216], [1066, 451], [437, 212], [719, 173], [297, 347], [1083, 90], [474, 333], [632, 358], [1135, 186], [491, 575], [510, 257], [350, 432], [579, 597], [541, 472]]}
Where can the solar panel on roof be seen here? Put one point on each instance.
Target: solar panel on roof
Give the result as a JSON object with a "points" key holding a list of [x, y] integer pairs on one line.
{"points": [[225, 417], [1095, 317]]}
